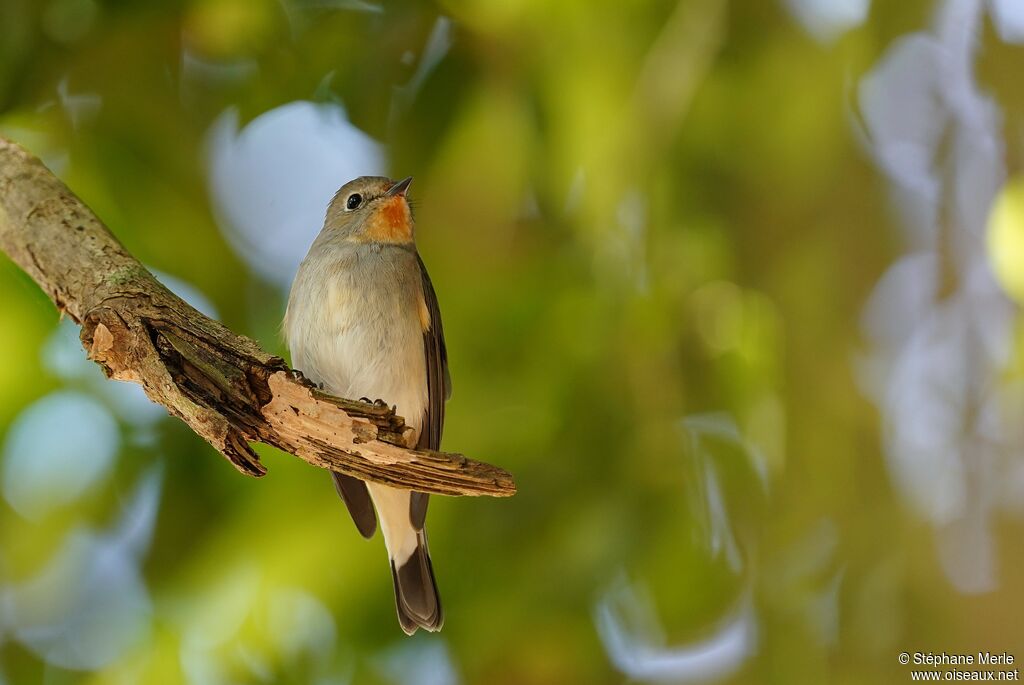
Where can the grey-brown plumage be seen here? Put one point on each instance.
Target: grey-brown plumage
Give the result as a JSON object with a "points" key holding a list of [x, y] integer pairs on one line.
{"points": [[356, 497], [363, 321]]}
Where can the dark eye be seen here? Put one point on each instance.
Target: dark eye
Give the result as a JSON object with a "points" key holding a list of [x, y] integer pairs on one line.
{"points": [[353, 201]]}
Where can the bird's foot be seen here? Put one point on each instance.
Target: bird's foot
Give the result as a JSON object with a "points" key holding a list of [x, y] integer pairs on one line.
{"points": [[378, 403]]}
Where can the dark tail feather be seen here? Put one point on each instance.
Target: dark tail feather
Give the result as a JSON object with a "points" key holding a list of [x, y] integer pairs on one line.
{"points": [[416, 596]]}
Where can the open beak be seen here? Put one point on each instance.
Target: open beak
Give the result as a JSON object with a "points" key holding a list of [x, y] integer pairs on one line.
{"points": [[399, 188]]}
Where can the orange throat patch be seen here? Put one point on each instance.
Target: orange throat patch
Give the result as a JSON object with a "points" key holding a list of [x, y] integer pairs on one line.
{"points": [[391, 222]]}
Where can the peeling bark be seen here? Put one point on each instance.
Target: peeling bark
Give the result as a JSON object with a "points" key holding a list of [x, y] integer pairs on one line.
{"points": [[224, 386]]}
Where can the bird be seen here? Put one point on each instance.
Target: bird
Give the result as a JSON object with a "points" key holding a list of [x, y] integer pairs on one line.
{"points": [[363, 321]]}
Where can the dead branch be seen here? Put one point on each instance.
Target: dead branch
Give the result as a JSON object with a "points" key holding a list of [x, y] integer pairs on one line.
{"points": [[223, 385]]}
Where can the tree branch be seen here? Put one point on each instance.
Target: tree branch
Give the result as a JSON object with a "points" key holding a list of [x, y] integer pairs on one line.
{"points": [[227, 389]]}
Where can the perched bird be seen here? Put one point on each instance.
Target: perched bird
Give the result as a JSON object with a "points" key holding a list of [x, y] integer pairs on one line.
{"points": [[363, 322]]}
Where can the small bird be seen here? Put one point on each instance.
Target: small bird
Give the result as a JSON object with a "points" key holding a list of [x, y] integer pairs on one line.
{"points": [[363, 322]]}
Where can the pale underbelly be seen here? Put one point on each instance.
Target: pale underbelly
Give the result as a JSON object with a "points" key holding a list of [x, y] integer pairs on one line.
{"points": [[374, 362]]}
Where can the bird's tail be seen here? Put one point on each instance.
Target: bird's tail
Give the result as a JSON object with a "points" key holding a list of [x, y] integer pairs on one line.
{"points": [[416, 596]]}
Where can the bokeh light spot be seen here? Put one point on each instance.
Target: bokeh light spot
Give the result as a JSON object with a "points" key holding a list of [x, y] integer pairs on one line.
{"points": [[56, 450], [1006, 238]]}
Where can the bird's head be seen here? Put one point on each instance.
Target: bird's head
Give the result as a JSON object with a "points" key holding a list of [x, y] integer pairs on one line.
{"points": [[371, 209]]}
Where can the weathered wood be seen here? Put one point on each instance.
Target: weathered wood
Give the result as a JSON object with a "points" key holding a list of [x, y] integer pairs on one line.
{"points": [[224, 386]]}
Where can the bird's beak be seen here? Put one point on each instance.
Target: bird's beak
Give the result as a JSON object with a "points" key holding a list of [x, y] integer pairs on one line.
{"points": [[399, 188]]}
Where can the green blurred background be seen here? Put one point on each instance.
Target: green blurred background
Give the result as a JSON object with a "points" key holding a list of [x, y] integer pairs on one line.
{"points": [[722, 287]]}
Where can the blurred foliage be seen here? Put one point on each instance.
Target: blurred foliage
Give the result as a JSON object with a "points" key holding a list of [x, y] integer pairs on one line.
{"points": [[632, 213]]}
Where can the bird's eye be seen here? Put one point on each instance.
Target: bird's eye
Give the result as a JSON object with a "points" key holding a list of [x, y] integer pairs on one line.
{"points": [[353, 201]]}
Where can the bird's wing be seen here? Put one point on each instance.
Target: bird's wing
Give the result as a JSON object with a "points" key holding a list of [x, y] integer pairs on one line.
{"points": [[356, 497], [439, 387]]}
